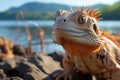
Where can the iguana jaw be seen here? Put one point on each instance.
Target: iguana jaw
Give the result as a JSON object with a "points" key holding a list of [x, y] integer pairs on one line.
{"points": [[61, 34], [76, 43], [75, 35], [71, 32]]}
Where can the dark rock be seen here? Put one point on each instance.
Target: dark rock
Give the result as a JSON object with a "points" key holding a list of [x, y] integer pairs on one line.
{"points": [[39, 66], [29, 71], [45, 63], [12, 78], [78, 75], [19, 50], [7, 64], [2, 74], [57, 56]]}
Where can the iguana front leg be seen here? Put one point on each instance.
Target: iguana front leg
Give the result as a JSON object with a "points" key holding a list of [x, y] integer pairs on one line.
{"points": [[69, 68]]}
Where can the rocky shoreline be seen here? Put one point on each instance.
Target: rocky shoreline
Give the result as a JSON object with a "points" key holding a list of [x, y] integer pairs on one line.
{"points": [[35, 66], [38, 66]]}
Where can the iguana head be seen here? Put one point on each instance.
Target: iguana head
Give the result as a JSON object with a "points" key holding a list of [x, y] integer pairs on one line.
{"points": [[79, 27]]}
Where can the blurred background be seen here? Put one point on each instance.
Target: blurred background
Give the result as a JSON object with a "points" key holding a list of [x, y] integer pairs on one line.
{"points": [[16, 14]]}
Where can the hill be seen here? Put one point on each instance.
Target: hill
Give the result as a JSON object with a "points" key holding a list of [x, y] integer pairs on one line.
{"points": [[38, 7], [44, 7], [111, 12], [35, 10]]}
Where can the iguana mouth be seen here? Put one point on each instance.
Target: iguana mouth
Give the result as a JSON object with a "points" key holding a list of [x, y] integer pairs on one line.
{"points": [[80, 33]]}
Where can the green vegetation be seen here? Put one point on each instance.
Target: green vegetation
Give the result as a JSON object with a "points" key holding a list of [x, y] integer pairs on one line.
{"points": [[111, 12], [42, 11], [28, 15], [39, 15]]}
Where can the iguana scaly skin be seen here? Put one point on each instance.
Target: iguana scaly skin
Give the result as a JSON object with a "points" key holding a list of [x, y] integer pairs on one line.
{"points": [[87, 48]]}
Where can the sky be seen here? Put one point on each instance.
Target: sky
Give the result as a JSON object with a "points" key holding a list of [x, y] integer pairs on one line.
{"points": [[6, 4]]}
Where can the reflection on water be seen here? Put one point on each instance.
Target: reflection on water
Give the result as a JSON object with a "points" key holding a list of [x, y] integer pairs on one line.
{"points": [[16, 32], [111, 26], [9, 23]]}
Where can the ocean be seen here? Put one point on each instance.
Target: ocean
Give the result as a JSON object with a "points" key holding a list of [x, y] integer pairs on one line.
{"points": [[15, 31]]}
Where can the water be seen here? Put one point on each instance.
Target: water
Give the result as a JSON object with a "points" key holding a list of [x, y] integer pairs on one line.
{"points": [[9, 23], [15, 31]]}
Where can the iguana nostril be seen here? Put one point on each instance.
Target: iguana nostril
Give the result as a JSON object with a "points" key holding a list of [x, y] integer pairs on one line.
{"points": [[95, 29]]}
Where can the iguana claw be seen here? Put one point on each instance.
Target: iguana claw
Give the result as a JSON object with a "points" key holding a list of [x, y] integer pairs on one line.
{"points": [[65, 76]]}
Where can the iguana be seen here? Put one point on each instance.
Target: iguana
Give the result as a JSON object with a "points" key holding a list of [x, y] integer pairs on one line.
{"points": [[87, 48]]}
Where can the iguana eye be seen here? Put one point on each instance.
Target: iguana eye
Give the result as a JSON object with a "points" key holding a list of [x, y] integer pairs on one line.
{"points": [[81, 20], [65, 20]]}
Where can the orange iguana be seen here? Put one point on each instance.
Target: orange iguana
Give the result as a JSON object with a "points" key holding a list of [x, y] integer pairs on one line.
{"points": [[87, 48]]}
